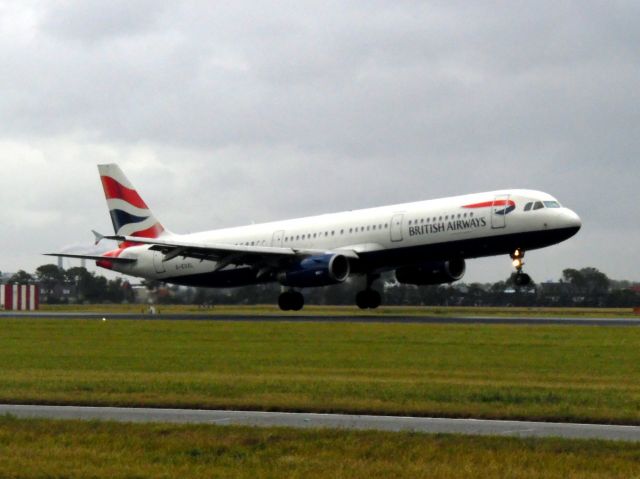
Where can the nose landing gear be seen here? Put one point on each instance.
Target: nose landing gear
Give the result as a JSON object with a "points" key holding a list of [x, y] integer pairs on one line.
{"points": [[521, 279]]}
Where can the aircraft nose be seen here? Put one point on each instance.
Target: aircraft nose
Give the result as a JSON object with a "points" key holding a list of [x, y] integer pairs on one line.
{"points": [[573, 220]]}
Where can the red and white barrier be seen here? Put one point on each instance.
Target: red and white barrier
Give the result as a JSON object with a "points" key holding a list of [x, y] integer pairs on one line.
{"points": [[19, 297]]}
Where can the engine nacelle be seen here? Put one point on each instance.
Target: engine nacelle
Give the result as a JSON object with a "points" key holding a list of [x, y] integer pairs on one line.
{"points": [[436, 272], [321, 270]]}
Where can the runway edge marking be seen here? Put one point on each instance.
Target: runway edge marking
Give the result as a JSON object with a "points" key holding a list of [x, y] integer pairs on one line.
{"points": [[429, 425]]}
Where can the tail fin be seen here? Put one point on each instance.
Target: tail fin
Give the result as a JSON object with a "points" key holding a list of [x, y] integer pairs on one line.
{"points": [[130, 215]]}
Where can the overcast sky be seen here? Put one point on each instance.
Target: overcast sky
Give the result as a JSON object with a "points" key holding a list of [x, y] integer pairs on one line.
{"points": [[227, 113]]}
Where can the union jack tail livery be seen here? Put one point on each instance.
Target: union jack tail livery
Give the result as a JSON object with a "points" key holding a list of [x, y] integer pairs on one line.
{"points": [[130, 215]]}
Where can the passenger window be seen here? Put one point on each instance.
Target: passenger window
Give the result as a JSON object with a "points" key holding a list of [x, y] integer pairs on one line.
{"points": [[528, 206], [538, 205]]}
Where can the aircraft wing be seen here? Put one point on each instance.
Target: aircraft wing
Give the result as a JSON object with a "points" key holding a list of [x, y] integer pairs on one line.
{"points": [[93, 257], [227, 254]]}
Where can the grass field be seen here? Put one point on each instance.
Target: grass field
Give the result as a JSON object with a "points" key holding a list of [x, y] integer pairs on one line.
{"points": [[569, 373], [429, 311], [73, 449]]}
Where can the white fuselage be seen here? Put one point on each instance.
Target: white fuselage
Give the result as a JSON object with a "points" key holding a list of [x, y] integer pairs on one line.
{"points": [[386, 237]]}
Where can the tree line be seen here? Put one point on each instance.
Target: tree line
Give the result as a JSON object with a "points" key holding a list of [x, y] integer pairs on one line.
{"points": [[577, 287]]}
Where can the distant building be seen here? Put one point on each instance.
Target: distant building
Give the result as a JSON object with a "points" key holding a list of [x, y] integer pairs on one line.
{"points": [[60, 293], [142, 295], [556, 292]]}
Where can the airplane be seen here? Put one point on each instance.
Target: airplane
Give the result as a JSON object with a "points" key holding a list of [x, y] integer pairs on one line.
{"points": [[424, 243]]}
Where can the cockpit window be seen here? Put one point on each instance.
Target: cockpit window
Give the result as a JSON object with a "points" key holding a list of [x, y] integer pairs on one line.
{"points": [[552, 204], [538, 205], [528, 206]]}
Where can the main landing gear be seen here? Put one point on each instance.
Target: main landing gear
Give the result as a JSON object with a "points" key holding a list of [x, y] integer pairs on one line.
{"points": [[291, 301], [521, 279], [369, 298]]}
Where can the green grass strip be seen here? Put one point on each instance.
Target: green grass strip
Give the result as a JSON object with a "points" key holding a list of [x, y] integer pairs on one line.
{"points": [[556, 373], [75, 449]]}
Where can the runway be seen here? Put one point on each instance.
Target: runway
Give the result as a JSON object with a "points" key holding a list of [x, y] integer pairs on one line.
{"points": [[381, 318], [337, 421]]}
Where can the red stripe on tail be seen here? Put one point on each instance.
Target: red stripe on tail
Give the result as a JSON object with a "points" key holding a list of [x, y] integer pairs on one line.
{"points": [[154, 232], [114, 190]]}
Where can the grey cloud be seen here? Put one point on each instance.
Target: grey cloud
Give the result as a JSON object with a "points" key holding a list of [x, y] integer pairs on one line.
{"points": [[258, 111], [94, 20]]}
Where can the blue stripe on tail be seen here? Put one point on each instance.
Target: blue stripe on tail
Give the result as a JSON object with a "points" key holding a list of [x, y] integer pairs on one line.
{"points": [[121, 218]]}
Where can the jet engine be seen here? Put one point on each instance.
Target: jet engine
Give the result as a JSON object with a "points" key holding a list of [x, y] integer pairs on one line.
{"points": [[436, 272], [321, 270]]}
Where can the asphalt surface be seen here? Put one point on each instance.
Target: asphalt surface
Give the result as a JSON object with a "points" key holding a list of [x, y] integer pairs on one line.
{"points": [[338, 421], [523, 320]]}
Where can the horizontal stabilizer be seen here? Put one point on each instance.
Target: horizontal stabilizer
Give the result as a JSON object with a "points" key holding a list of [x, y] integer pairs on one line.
{"points": [[99, 237], [93, 257]]}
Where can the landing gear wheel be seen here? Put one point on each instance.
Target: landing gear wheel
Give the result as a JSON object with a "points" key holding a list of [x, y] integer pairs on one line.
{"points": [[523, 279], [368, 299], [284, 301], [374, 299], [361, 300], [291, 301], [297, 301]]}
